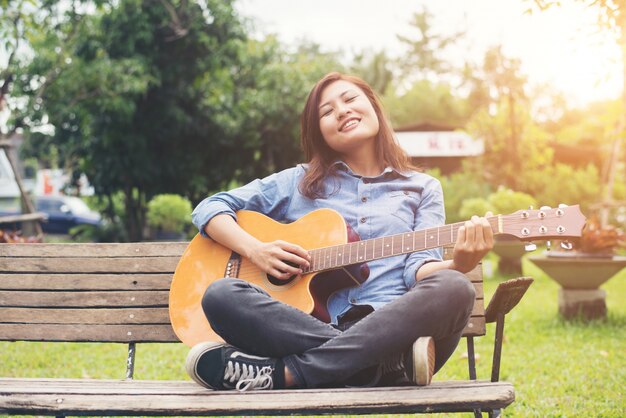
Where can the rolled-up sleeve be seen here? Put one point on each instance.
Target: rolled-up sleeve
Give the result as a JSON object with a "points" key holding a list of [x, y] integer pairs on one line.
{"points": [[430, 213], [269, 196]]}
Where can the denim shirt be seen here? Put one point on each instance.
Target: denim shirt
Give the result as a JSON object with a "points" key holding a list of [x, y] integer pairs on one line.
{"points": [[390, 203]]}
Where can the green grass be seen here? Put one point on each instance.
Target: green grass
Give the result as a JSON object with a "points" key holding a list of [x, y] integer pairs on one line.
{"points": [[559, 368]]}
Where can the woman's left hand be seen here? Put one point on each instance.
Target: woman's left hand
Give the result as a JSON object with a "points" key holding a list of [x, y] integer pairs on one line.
{"points": [[474, 240]]}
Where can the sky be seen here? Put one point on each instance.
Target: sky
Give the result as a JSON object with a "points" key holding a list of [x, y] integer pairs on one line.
{"points": [[560, 47]]}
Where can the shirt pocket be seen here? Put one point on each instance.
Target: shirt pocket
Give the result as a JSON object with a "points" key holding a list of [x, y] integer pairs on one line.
{"points": [[403, 204], [409, 194]]}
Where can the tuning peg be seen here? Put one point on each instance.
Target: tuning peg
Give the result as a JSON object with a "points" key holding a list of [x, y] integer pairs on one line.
{"points": [[566, 245], [545, 208], [531, 246], [548, 244], [562, 205], [530, 207]]}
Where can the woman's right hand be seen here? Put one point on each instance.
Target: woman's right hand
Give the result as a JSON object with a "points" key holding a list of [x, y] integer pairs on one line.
{"points": [[273, 258], [270, 257]]}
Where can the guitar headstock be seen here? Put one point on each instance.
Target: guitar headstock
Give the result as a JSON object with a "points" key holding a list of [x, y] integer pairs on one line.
{"points": [[545, 223]]}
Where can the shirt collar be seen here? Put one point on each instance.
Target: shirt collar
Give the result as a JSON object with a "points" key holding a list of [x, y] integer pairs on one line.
{"points": [[343, 166]]}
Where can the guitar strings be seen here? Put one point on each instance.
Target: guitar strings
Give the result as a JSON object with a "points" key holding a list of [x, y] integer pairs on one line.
{"points": [[512, 221]]}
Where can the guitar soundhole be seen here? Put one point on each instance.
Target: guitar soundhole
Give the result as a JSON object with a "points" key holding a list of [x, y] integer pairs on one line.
{"points": [[282, 282]]}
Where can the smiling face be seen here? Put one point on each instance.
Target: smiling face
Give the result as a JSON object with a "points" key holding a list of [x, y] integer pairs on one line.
{"points": [[346, 116]]}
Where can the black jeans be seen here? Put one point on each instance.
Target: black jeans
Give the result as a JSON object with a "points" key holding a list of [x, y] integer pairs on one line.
{"points": [[319, 354]]}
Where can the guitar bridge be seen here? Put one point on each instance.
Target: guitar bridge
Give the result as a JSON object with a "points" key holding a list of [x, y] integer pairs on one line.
{"points": [[232, 267]]}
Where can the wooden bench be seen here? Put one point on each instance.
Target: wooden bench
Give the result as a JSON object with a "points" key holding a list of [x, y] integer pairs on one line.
{"points": [[118, 293]]}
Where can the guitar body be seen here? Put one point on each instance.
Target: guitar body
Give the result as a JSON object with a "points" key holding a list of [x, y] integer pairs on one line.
{"points": [[205, 261]]}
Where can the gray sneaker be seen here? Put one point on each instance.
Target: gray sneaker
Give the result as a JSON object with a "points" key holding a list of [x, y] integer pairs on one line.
{"points": [[417, 365], [223, 367]]}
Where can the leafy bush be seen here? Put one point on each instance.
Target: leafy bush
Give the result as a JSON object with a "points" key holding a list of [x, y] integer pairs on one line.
{"points": [[503, 201], [506, 201], [560, 183], [458, 187], [169, 212], [113, 210], [108, 232], [474, 206]]}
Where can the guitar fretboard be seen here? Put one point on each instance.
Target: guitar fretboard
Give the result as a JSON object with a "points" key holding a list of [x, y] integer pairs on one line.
{"points": [[328, 258]]}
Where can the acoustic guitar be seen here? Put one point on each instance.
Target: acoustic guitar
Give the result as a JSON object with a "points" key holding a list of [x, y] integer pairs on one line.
{"points": [[338, 259]]}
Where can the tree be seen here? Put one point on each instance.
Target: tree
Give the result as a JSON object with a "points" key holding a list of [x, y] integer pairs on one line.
{"points": [[15, 23], [32, 28], [422, 89], [611, 17], [375, 69], [424, 58], [270, 87], [21, 23], [140, 103], [499, 164], [162, 97], [427, 102], [504, 116]]}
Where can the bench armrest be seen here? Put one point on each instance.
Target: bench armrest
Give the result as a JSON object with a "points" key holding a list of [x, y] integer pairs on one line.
{"points": [[507, 296]]}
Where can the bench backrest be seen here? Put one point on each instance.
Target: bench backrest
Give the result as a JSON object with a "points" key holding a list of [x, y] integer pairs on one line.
{"points": [[104, 292], [87, 292]]}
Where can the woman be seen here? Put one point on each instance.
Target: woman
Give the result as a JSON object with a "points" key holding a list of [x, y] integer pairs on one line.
{"points": [[401, 325]]}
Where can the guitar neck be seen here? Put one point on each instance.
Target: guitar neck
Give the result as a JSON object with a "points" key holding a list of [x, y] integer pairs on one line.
{"points": [[328, 258]]}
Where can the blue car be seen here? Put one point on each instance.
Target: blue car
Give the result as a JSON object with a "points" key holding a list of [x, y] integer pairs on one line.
{"points": [[62, 214]]}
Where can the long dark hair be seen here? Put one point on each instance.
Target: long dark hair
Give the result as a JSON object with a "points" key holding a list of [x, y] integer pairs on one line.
{"points": [[320, 156]]}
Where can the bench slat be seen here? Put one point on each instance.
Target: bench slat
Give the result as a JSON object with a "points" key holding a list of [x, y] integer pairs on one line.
{"points": [[147, 308], [140, 315], [138, 249], [478, 287], [479, 308], [88, 333], [84, 299], [178, 387], [475, 275], [85, 316], [89, 265], [52, 281], [119, 333], [104, 299], [475, 327], [186, 398], [93, 281]]}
